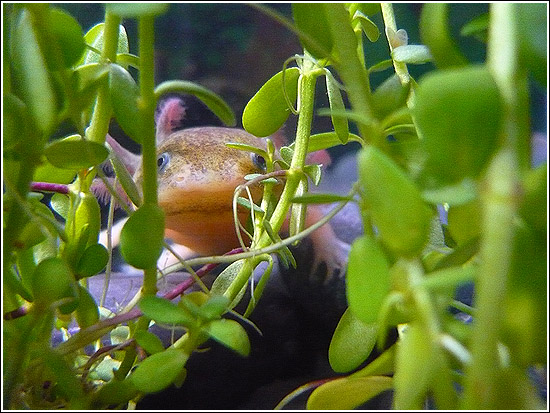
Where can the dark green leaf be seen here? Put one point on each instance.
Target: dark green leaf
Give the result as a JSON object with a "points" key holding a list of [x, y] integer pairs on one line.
{"points": [[158, 371], [124, 97], [142, 236], [532, 24], [75, 154], [67, 33], [92, 261], [66, 379], [351, 343], [87, 313], [52, 279], [268, 110], [115, 392]]}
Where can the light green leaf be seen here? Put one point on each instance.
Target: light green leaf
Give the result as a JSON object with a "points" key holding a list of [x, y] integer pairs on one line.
{"points": [[158, 371], [231, 334], [163, 311]]}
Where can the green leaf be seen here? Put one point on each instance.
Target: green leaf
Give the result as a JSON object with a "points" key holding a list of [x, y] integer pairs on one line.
{"points": [[142, 236], [381, 66], [390, 96], [351, 344], [125, 179], [368, 279], [231, 334], [163, 311], [124, 97], [397, 208], [320, 141], [29, 69], [149, 342], [135, 10], [435, 34], [224, 280], [87, 312], [347, 393], [267, 111], [532, 24], [367, 25], [52, 280], [340, 124], [411, 54], [214, 102], [93, 260], [46, 172], [458, 113], [311, 20], [158, 371], [214, 307], [67, 381], [464, 221], [75, 154], [67, 34], [94, 37], [534, 205], [114, 392], [455, 194], [476, 27], [314, 171]]}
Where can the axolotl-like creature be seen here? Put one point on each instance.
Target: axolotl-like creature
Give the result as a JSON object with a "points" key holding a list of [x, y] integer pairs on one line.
{"points": [[197, 177]]}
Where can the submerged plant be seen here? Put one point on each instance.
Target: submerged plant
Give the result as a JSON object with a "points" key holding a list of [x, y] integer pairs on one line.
{"points": [[460, 138]]}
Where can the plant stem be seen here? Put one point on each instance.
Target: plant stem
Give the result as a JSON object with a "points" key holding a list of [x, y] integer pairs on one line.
{"points": [[389, 21], [499, 206]]}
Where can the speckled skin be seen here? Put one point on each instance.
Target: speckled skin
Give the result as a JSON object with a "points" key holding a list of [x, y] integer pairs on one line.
{"points": [[197, 184]]}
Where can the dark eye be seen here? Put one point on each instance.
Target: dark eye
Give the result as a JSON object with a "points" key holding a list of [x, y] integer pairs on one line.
{"points": [[162, 162], [258, 161]]}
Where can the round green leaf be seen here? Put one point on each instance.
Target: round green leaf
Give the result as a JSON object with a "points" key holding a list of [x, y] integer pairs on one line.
{"points": [[534, 206], [94, 37], [46, 172], [75, 154], [395, 204], [458, 112], [52, 280], [464, 221], [67, 34], [142, 236], [158, 371], [124, 98], [390, 96], [368, 280], [163, 311], [351, 343], [231, 334], [92, 261], [267, 111], [29, 68], [347, 393], [114, 392]]}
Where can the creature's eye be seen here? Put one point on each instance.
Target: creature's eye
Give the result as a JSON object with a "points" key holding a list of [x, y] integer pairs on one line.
{"points": [[258, 161], [162, 162]]}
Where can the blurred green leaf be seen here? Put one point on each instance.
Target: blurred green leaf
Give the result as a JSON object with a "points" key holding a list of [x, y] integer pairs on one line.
{"points": [[68, 36], [142, 236], [124, 97], [397, 208], [534, 206], [458, 112], [434, 32], [75, 154], [135, 10], [389, 96], [347, 393], [158, 371], [149, 342], [267, 111], [318, 198], [52, 279], [29, 69], [163, 311], [351, 344], [310, 19], [87, 313], [93, 260], [114, 392], [532, 24]]}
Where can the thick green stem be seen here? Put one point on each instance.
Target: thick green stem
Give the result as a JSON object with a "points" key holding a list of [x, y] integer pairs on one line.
{"points": [[99, 125], [499, 203], [389, 21]]}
